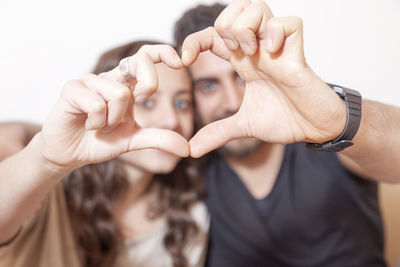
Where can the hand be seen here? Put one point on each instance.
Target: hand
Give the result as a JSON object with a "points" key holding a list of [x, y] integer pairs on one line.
{"points": [[93, 120], [285, 101]]}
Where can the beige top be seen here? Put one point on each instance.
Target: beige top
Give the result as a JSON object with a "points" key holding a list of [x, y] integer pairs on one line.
{"points": [[47, 240]]}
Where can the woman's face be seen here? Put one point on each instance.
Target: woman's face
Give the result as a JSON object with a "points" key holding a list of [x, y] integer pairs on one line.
{"points": [[168, 108]]}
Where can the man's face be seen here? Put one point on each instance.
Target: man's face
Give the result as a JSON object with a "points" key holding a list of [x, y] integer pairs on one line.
{"points": [[218, 93]]}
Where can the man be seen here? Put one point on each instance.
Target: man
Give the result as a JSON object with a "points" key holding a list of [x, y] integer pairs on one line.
{"points": [[276, 205], [271, 204]]}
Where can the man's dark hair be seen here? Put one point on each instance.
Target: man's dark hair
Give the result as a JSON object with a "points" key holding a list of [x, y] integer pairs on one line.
{"points": [[196, 19]]}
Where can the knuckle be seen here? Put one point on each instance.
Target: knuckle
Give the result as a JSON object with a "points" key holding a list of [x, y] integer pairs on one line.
{"points": [[145, 48], [122, 93], [261, 4], [274, 23], [88, 76], [189, 40], [299, 22], [222, 26], [170, 49], [142, 55], [166, 51], [209, 29], [238, 28], [193, 37], [70, 86], [97, 107]]}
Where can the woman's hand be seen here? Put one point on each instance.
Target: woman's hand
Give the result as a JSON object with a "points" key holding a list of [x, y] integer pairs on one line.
{"points": [[93, 120]]}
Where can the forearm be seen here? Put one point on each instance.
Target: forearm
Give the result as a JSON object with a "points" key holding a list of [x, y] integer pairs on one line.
{"points": [[25, 179], [376, 150]]}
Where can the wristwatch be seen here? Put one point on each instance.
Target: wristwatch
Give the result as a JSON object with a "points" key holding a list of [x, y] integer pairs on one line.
{"points": [[353, 109]]}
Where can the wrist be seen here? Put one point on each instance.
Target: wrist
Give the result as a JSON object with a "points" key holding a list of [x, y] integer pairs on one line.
{"points": [[45, 166], [353, 101], [325, 112]]}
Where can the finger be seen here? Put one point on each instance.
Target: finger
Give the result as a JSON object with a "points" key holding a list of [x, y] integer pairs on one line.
{"points": [[141, 67], [215, 135], [207, 39], [223, 23], [286, 31], [138, 72], [116, 95], [157, 53], [80, 100], [163, 53], [251, 25], [162, 139]]}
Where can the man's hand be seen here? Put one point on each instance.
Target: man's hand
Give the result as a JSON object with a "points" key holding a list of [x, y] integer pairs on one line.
{"points": [[93, 120], [285, 101]]}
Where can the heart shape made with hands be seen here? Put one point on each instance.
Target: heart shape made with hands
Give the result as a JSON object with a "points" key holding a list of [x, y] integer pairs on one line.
{"points": [[284, 100], [94, 121]]}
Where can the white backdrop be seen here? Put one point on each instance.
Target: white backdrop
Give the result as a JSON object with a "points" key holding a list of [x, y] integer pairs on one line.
{"points": [[46, 43]]}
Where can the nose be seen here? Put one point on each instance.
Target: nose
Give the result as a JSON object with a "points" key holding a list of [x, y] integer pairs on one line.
{"points": [[168, 118], [233, 95]]}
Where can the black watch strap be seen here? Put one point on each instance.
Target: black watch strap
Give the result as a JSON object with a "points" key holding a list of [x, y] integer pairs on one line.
{"points": [[353, 109]]}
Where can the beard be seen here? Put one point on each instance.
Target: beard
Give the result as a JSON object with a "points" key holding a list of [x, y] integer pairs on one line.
{"points": [[241, 148], [238, 148]]}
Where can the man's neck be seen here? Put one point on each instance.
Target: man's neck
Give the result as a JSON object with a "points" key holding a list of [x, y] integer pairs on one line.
{"points": [[259, 171]]}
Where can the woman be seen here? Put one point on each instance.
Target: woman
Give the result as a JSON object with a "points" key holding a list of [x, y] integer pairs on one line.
{"points": [[141, 209]]}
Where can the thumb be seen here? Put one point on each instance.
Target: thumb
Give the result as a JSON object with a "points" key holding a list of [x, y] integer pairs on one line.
{"points": [[215, 135], [162, 139]]}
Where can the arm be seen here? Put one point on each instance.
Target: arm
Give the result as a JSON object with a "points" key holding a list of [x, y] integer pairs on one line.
{"points": [[375, 153], [14, 136], [25, 179], [93, 121], [285, 101]]}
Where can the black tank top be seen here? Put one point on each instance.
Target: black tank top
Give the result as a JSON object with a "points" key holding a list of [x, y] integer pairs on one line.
{"points": [[317, 214]]}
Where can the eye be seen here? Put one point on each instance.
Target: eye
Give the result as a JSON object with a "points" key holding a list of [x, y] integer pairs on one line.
{"points": [[206, 86], [148, 104], [182, 104]]}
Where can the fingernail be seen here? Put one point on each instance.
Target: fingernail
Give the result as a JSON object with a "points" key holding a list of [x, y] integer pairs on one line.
{"points": [[246, 48], [185, 56]]}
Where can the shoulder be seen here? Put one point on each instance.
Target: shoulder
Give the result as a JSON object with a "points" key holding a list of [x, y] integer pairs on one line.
{"points": [[45, 236]]}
